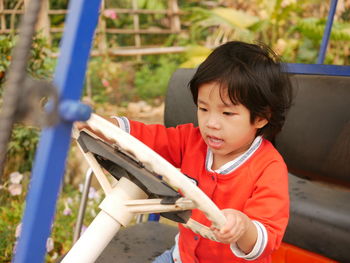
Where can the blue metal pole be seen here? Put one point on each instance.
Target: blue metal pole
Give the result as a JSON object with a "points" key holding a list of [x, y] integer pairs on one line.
{"points": [[327, 32], [54, 142], [318, 69], [153, 217]]}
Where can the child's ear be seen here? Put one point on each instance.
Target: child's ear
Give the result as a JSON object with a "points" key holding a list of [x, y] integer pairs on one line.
{"points": [[260, 122]]}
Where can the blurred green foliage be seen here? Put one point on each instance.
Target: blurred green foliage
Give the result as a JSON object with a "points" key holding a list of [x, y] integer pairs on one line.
{"points": [[6, 45], [22, 147], [109, 81], [151, 79], [293, 28], [12, 202], [40, 66]]}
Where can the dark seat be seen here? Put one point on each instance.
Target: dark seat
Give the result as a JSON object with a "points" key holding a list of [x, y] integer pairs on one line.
{"points": [[140, 243], [315, 143]]}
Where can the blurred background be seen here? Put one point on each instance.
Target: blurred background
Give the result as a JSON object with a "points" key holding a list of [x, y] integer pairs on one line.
{"points": [[138, 44]]}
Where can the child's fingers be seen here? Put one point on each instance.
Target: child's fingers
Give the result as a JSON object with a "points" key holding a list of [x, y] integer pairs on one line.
{"points": [[80, 125], [226, 238], [234, 227], [213, 228], [230, 223]]}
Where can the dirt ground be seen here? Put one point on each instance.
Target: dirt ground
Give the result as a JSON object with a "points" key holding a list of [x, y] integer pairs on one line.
{"points": [[146, 113]]}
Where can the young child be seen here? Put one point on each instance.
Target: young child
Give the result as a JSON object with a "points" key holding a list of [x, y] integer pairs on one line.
{"points": [[242, 97]]}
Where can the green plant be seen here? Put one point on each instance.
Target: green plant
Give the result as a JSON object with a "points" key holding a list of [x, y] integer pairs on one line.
{"points": [[220, 24], [195, 55], [21, 149], [311, 33], [40, 66], [293, 28], [65, 218], [126, 21], [12, 200], [151, 80], [109, 81], [58, 4], [6, 45]]}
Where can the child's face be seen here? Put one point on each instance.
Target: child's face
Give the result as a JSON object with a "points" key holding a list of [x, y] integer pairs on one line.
{"points": [[225, 127]]}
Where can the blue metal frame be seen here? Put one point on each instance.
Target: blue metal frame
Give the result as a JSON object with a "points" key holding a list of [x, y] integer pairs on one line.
{"points": [[314, 69], [54, 142], [154, 217], [327, 32]]}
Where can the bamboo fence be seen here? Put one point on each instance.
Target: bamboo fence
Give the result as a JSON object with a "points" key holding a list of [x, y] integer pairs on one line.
{"points": [[9, 19]]}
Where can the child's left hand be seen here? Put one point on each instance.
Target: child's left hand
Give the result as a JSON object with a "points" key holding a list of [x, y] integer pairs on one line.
{"points": [[236, 226]]}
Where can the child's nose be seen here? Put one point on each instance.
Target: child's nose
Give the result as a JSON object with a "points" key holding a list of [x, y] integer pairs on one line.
{"points": [[213, 122]]}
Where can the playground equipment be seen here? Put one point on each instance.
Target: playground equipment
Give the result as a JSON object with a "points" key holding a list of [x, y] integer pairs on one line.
{"points": [[49, 164]]}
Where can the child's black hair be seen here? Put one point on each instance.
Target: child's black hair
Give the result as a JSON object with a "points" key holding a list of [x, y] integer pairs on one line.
{"points": [[254, 77]]}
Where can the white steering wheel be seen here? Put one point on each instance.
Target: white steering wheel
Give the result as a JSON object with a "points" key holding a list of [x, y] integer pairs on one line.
{"points": [[126, 199], [162, 167]]}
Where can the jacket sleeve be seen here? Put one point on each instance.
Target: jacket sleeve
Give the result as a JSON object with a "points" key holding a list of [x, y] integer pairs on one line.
{"points": [[269, 205], [168, 142]]}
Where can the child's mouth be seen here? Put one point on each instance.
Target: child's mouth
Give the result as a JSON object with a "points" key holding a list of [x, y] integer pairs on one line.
{"points": [[214, 142]]}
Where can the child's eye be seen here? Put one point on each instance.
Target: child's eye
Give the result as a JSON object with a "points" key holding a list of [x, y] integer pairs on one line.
{"points": [[227, 113], [202, 109]]}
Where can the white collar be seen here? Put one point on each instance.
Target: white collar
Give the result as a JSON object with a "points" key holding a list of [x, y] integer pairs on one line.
{"points": [[235, 163]]}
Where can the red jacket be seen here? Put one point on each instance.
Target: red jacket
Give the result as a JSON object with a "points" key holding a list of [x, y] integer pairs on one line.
{"points": [[258, 187]]}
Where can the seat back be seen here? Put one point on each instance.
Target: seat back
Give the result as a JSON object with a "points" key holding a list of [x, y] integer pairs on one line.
{"points": [[315, 141], [179, 105]]}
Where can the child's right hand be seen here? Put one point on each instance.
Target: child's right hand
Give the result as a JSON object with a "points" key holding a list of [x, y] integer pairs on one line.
{"points": [[83, 125], [236, 226], [238, 229]]}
